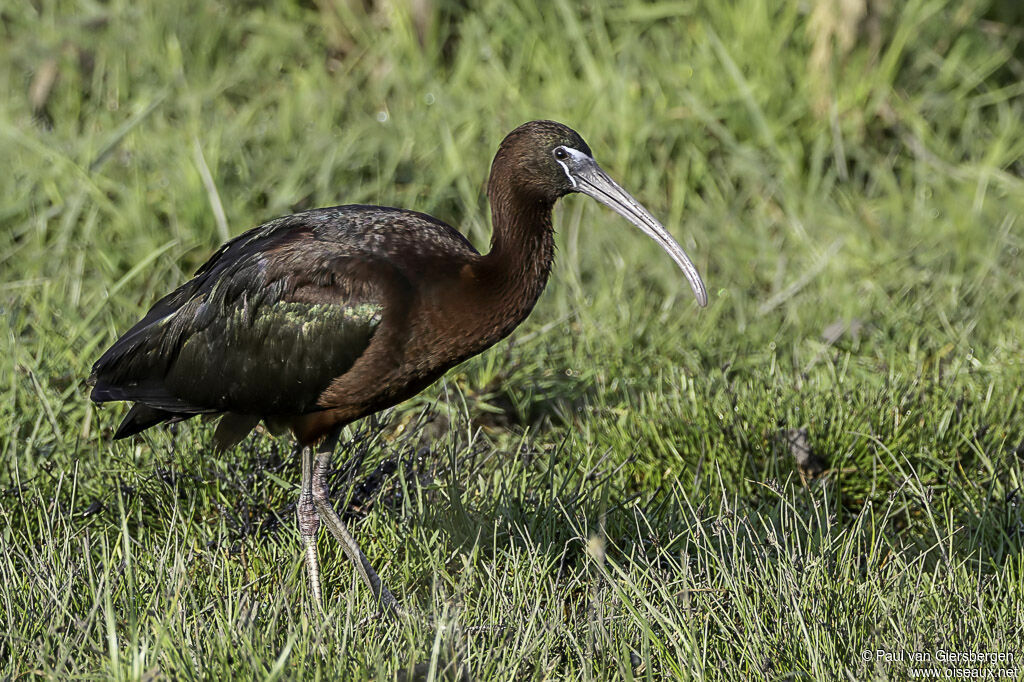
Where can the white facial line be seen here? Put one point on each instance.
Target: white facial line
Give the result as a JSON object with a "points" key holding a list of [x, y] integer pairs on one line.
{"points": [[567, 173], [577, 156]]}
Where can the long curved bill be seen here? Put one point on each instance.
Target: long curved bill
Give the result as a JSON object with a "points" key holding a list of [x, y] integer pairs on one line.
{"points": [[591, 180]]}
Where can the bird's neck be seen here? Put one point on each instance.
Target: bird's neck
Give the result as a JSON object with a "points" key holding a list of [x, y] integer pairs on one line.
{"points": [[522, 248], [512, 275]]}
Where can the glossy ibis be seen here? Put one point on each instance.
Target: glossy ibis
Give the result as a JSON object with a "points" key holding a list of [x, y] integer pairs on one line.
{"points": [[316, 319]]}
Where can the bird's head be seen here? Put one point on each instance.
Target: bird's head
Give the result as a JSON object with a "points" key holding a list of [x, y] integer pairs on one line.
{"points": [[547, 160]]}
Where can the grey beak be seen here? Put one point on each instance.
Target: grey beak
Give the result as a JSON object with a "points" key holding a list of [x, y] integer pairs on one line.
{"points": [[589, 179]]}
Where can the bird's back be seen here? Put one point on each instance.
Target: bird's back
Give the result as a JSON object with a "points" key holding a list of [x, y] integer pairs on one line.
{"points": [[275, 315]]}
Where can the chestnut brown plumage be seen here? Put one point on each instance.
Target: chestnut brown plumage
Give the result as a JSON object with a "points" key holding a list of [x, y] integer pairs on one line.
{"points": [[316, 319]]}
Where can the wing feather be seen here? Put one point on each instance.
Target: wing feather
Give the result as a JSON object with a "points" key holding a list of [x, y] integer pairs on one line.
{"points": [[253, 332], [273, 317]]}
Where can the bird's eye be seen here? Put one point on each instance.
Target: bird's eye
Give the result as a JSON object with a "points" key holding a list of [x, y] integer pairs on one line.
{"points": [[561, 154]]}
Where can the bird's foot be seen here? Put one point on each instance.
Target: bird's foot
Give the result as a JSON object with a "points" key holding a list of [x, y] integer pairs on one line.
{"points": [[398, 614], [309, 523]]}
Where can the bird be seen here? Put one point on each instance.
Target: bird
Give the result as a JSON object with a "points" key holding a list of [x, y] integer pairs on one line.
{"points": [[316, 319]]}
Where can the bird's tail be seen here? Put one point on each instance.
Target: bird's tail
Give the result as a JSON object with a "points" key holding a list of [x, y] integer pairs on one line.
{"points": [[141, 417]]}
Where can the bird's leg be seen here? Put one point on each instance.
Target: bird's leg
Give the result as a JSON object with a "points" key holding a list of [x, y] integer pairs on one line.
{"points": [[337, 527], [309, 523]]}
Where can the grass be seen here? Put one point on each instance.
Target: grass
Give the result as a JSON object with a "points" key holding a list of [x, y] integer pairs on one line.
{"points": [[608, 494]]}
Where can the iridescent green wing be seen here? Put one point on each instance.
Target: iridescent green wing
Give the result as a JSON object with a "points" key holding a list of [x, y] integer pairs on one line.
{"points": [[263, 328], [273, 355]]}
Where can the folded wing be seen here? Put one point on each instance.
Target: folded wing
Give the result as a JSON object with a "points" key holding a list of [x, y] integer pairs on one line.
{"points": [[262, 329]]}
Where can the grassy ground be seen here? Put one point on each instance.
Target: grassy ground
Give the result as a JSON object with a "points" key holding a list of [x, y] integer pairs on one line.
{"points": [[610, 494]]}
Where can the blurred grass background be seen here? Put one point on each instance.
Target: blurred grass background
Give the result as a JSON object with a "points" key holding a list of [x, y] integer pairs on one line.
{"points": [[613, 492]]}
